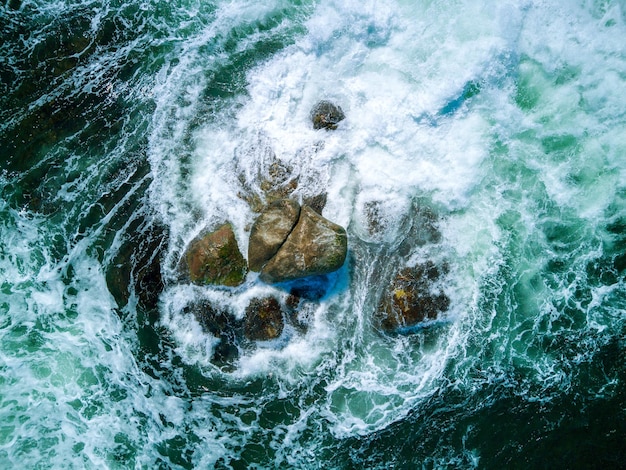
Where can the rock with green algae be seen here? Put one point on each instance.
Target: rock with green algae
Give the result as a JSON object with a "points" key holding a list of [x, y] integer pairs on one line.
{"points": [[214, 258]]}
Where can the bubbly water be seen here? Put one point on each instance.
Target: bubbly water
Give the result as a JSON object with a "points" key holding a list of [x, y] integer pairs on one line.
{"points": [[487, 137]]}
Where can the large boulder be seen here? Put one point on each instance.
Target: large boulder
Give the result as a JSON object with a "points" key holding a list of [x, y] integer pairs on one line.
{"points": [[326, 115], [315, 246], [411, 298], [270, 230], [264, 319], [214, 258]]}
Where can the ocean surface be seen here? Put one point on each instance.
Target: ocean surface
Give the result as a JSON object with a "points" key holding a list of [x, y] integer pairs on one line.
{"points": [[485, 137]]}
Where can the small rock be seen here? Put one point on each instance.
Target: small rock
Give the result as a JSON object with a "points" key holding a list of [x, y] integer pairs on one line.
{"points": [[214, 258], [326, 115], [315, 246], [264, 319], [270, 230], [410, 299]]}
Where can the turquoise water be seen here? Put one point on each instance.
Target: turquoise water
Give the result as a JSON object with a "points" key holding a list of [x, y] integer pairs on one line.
{"points": [[488, 138]]}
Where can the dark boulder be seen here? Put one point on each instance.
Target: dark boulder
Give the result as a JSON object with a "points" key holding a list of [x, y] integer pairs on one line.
{"points": [[136, 266], [214, 258], [222, 325], [411, 298], [270, 230], [264, 319], [317, 202], [326, 115], [315, 246]]}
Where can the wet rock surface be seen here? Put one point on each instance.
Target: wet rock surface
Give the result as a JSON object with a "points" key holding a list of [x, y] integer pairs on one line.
{"points": [[270, 230], [264, 319], [268, 179], [317, 202], [411, 298], [137, 264], [315, 246], [221, 325], [214, 258], [326, 115]]}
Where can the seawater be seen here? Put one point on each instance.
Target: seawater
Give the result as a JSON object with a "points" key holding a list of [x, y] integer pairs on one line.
{"points": [[484, 136]]}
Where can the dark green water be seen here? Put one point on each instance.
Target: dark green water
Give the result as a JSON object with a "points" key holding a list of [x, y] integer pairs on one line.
{"points": [[488, 138]]}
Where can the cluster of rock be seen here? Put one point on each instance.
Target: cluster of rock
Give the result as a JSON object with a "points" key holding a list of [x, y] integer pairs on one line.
{"points": [[287, 242], [265, 319], [294, 244]]}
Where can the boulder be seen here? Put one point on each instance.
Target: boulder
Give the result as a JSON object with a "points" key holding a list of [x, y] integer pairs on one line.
{"points": [[411, 299], [214, 258], [315, 246], [264, 319], [138, 259], [317, 202], [326, 115], [270, 230]]}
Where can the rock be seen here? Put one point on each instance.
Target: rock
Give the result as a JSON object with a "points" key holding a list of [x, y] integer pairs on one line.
{"points": [[214, 258], [222, 325], [315, 246], [138, 259], [326, 115], [410, 299], [317, 203], [270, 230], [264, 319], [300, 312], [263, 177]]}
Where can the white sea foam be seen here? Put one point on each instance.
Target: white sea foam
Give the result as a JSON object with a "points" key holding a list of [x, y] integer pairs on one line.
{"points": [[500, 118]]}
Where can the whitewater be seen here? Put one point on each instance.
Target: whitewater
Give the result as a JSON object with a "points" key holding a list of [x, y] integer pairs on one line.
{"points": [[485, 137]]}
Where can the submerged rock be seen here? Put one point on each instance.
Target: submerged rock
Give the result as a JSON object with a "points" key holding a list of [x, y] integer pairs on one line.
{"points": [[264, 319], [214, 258], [222, 325], [270, 230], [315, 246], [326, 115], [264, 178], [300, 312], [410, 298], [137, 264]]}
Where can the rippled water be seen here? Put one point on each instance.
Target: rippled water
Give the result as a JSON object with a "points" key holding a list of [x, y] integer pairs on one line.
{"points": [[485, 137]]}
